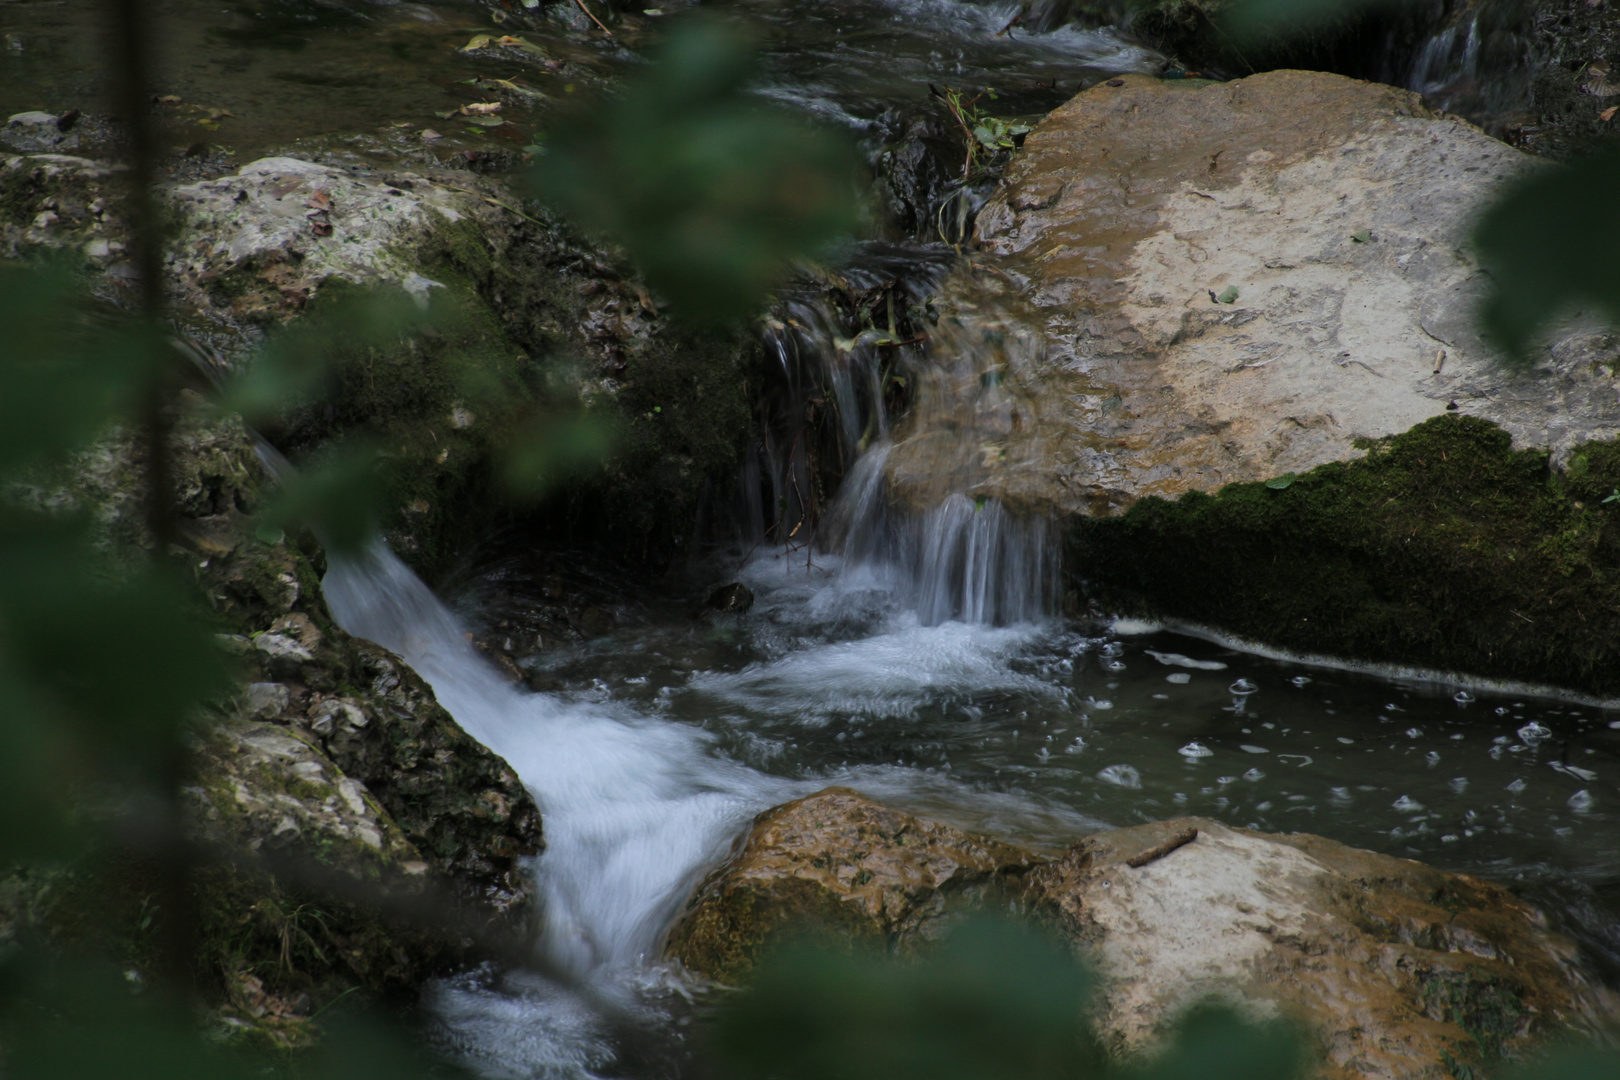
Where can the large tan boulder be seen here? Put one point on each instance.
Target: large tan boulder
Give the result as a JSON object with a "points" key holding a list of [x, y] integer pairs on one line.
{"points": [[1332, 218], [845, 867], [1396, 968]]}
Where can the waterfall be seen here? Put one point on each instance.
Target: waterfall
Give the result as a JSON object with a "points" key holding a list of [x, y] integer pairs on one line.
{"points": [[633, 808], [868, 372]]}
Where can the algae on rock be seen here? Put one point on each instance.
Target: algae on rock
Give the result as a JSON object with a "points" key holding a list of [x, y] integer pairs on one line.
{"points": [[1442, 548]]}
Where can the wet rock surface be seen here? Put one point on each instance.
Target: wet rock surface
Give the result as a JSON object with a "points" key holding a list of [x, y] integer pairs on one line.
{"points": [[1241, 280], [1398, 970], [840, 865], [335, 762]]}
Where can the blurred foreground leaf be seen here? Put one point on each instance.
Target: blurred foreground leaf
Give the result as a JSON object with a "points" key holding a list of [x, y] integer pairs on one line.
{"points": [[65, 373], [549, 450], [1549, 246], [709, 190], [995, 1001], [339, 498]]}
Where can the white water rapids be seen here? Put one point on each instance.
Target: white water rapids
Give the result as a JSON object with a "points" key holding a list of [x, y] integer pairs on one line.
{"points": [[635, 807]]}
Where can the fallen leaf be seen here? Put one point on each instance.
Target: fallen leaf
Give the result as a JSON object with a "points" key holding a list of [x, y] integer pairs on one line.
{"points": [[1228, 295], [1278, 483], [1362, 237], [429, 135], [477, 42], [320, 200], [321, 228], [1608, 114], [168, 99], [447, 114], [486, 121], [481, 108], [220, 114]]}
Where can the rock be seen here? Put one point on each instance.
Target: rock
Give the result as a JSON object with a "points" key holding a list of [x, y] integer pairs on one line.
{"points": [[358, 770], [837, 863], [733, 599], [1242, 280], [265, 240], [34, 132], [1396, 968]]}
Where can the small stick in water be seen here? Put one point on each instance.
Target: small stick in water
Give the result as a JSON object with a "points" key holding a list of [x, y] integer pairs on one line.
{"points": [[594, 19], [1159, 851]]}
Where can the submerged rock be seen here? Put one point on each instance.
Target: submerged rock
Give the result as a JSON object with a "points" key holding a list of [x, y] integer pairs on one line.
{"points": [[1241, 280], [840, 865], [733, 599], [1396, 968]]}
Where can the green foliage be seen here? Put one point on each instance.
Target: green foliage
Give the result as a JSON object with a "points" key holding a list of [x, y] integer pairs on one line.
{"points": [[994, 1001], [1547, 243], [987, 137], [708, 190]]}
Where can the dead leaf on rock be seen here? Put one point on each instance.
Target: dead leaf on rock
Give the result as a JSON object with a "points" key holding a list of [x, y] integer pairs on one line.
{"points": [[429, 135], [1597, 80], [321, 228], [481, 108], [320, 200], [478, 42], [168, 99], [1608, 114]]}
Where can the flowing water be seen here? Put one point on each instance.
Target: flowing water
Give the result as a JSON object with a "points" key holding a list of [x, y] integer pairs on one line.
{"points": [[911, 648]]}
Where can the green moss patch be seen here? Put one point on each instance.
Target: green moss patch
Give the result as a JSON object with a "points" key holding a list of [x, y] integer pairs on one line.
{"points": [[1442, 548]]}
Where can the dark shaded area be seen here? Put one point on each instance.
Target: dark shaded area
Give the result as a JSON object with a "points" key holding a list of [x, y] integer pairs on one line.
{"points": [[1443, 548]]}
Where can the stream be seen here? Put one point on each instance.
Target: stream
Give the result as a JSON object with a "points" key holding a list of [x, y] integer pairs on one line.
{"points": [[915, 654]]}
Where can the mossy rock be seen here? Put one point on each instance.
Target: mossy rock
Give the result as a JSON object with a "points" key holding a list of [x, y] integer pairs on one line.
{"points": [[1443, 548]]}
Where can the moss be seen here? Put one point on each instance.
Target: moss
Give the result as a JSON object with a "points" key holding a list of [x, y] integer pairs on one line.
{"points": [[1442, 548], [438, 403]]}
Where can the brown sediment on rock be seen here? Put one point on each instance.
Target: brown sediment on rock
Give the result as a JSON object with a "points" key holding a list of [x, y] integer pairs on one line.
{"points": [[1241, 280], [850, 871], [1394, 967]]}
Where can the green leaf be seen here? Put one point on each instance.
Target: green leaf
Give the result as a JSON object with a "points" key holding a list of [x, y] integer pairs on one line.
{"points": [[1548, 246], [1278, 483], [338, 497], [710, 191], [1362, 237], [1228, 295]]}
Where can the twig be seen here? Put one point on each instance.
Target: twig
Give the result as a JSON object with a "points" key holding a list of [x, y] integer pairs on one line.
{"points": [[1159, 851], [593, 18]]}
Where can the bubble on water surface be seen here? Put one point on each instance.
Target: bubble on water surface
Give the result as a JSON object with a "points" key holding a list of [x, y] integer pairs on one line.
{"points": [[1075, 747], [1516, 787], [1581, 801], [1406, 804], [1242, 688], [1300, 680], [1254, 774], [1459, 784], [1121, 776], [1432, 758], [1462, 697], [1414, 733], [1195, 750], [1533, 733]]}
